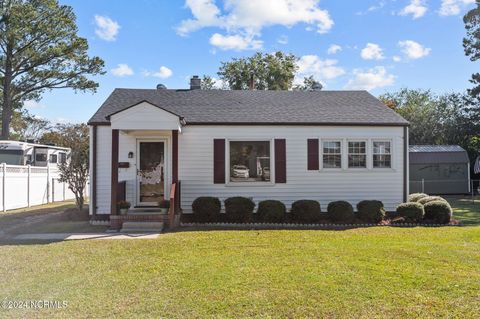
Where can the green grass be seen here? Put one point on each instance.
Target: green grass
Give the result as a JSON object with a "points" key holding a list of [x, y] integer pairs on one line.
{"points": [[362, 273], [466, 210]]}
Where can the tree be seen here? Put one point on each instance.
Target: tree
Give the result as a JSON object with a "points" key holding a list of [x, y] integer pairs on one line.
{"points": [[471, 44], [207, 83], [443, 119], [309, 83], [75, 171], [40, 50], [261, 72], [27, 126]]}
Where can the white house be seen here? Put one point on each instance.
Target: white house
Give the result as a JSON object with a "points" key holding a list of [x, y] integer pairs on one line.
{"points": [[284, 145]]}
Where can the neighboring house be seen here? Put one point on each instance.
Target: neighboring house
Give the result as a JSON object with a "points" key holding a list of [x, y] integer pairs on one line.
{"points": [[439, 169], [284, 145]]}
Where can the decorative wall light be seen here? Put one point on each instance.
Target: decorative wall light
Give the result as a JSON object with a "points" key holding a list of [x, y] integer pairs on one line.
{"points": [[130, 154]]}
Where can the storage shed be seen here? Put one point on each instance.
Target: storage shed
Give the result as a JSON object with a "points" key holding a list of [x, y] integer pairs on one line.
{"points": [[439, 169]]}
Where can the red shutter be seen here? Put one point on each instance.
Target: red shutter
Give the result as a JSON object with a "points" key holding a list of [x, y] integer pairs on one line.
{"points": [[312, 155], [219, 161], [280, 161]]}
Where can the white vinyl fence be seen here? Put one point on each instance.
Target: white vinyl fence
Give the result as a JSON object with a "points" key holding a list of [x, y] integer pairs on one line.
{"points": [[25, 186]]}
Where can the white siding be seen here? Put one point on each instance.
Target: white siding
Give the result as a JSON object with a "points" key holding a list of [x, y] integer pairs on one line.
{"points": [[145, 116], [196, 166], [104, 168], [353, 185]]}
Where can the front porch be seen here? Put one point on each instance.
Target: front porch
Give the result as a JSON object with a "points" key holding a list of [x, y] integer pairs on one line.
{"points": [[145, 165]]}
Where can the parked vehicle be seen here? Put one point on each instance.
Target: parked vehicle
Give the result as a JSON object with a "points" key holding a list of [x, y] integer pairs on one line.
{"points": [[240, 171], [24, 153]]}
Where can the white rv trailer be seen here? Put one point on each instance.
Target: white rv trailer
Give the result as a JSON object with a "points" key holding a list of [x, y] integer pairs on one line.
{"points": [[24, 153]]}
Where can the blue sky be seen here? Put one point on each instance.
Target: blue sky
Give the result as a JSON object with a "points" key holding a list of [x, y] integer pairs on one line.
{"points": [[378, 45]]}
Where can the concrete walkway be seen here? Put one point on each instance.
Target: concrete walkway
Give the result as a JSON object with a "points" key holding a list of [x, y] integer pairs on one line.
{"points": [[79, 236]]}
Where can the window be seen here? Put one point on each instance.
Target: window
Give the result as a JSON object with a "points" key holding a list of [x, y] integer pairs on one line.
{"points": [[40, 157], [382, 155], [53, 158], [357, 155], [332, 154], [63, 158], [250, 161]]}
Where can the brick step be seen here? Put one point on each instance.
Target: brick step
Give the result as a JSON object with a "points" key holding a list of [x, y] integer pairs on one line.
{"points": [[140, 227]]}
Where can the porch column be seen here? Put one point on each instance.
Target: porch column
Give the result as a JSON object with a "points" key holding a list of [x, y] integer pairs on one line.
{"points": [[174, 156], [113, 200]]}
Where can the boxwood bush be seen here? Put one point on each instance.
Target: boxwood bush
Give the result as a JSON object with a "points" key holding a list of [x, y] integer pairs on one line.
{"points": [[371, 211], [271, 211], [415, 197], [340, 211], [305, 211], [427, 199], [206, 209], [412, 212], [239, 209], [438, 211]]}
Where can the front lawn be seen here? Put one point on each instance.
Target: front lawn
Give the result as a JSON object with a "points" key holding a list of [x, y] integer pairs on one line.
{"points": [[369, 272]]}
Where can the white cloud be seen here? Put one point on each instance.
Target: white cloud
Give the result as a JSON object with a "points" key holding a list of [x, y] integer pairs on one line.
{"points": [[413, 50], [417, 8], [370, 79], [235, 42], [396, 58], [373, 8], [283, 39], [334, 48], [246, 18], [107, 29], [372, 52], [32, 104], [320, 69], [163, 73], [122, 70], [453, 7]]}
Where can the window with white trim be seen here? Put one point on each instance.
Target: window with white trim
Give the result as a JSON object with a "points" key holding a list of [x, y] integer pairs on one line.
{"points": [[382, 154], [332, 154], [250, 161], [357, 154]]}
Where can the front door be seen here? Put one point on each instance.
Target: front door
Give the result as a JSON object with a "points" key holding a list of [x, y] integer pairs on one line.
{"points": [[151, 170]]}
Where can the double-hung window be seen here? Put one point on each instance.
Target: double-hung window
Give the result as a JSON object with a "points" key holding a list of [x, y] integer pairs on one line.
{"points": [[332, 154], [357, 154], [382, 154]]}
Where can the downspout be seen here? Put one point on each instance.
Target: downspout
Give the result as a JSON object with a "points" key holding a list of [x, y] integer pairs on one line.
{"points": [[405, 163]]}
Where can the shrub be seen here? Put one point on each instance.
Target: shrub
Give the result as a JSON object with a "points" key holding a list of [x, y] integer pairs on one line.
{"points": [[438, 211], [164, 203], [239, 209], [123, 204], [206, 209], [415, 197], [371, 211], [427, 199], [412, 212], [340, 211], [305, 211], [271, 211]]}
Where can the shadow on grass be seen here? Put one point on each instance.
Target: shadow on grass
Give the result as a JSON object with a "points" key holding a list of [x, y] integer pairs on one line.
{"points": [[466, 210]]}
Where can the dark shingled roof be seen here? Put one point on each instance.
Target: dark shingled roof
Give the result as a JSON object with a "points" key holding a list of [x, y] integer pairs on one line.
{"points": [[437, 154], [257, 107]]}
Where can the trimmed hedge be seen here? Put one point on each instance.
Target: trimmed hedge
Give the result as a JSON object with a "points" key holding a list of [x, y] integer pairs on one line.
{"points": [[239, 209], [206, 209], [412, 212], [371, 211], [415, 197], [438, 211], [271, 211], [427, 199], [340, 211], [305, 211]]}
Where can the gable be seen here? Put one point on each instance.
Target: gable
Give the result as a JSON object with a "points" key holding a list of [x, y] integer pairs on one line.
{"points": [[144, 116]]}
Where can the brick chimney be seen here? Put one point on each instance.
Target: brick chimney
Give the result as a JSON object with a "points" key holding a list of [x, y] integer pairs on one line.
{"points": [[195, 83]]}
